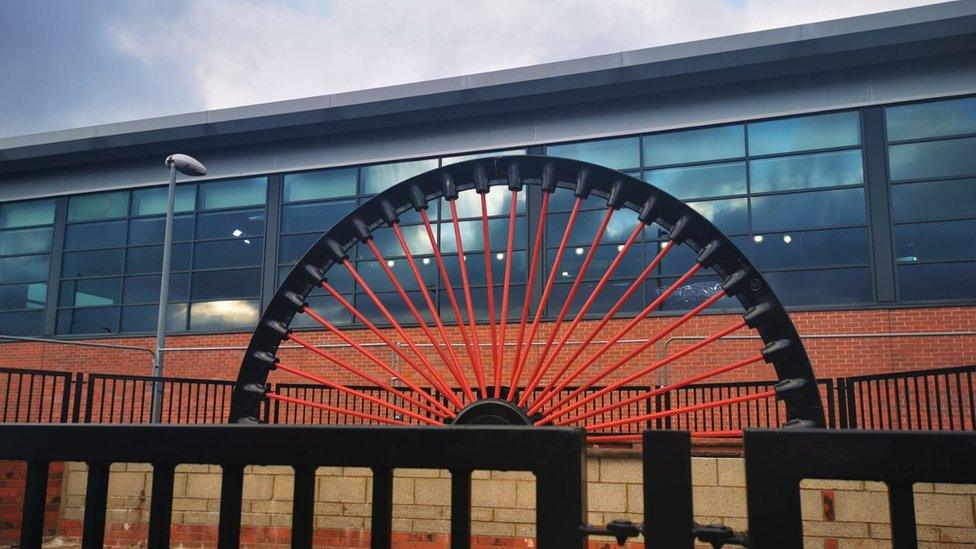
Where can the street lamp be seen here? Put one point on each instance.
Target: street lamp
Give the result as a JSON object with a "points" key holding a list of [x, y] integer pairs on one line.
{"points": [[186, 165]]}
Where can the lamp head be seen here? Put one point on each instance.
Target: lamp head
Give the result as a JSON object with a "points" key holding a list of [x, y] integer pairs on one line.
{"points": [[186, 165]]}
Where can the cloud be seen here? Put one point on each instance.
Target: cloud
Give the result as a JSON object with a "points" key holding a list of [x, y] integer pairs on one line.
{"points": [[107, 60]]}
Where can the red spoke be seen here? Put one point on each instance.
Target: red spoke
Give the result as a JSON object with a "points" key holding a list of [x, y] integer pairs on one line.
{"points": [[598, 438], [496, 364], [450, 359], [683, 410], [441, 409], [430, 376], [665, 389], [640, 373], [623, 331], [396, 325], [539, 370], [479, 372], [334, 409], [527, 301], [442, 267], [505, 288], [551, 359], [359, 394], [356, 371]]}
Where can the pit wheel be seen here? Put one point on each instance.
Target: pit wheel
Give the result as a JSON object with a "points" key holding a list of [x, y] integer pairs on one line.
{"points": [[523, 366]]}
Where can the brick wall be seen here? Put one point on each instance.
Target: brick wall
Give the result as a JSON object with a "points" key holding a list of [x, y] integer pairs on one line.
{"points": [[837, 514]]}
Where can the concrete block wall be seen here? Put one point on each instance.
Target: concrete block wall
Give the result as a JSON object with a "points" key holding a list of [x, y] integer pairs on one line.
{"points": [[836, 514]]}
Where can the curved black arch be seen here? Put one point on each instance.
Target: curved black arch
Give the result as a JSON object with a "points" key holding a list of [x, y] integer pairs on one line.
{"points": [[764, 312]]}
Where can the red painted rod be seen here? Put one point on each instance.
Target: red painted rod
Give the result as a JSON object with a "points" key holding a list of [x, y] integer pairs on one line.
{"points": [[430, 376], [446, 281], [551, 359], [479, 372], [441, 410], [359, 394], [665, 389], [513, 206], [527, 301], [683, 410], [539, 370], [496, 363], [396, 325], [640, 373], [634, 286], [448, 356], [334, 409], [446, 340]]}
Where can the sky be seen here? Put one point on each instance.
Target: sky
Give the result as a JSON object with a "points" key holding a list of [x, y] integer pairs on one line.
{"points": [[74, 63]]}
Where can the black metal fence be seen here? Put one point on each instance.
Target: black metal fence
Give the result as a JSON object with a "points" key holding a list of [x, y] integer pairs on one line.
{"points": [[939, 399]]}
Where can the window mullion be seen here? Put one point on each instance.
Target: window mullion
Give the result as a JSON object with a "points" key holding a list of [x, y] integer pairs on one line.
{"points": [[878, 199], [54, 274]]}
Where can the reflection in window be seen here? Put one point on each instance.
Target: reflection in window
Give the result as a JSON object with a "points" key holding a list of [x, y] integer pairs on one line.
{"points": [[700, 181], [380, 177], [221, 315], [154, 201], [831, 169], [730, 216], [926, 242], [933, 159], [98, 206], [618, 154], [936, 281], [808, 210], [804, 133], [694, 145], [26, 214], [932, 119], [320, 185], [822, 287], [810, 248], [933, 201], [233, 194]]}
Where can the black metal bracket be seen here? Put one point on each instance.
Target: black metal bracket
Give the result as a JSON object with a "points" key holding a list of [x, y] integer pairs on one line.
{"points": [[719, 535], [621, 529]]}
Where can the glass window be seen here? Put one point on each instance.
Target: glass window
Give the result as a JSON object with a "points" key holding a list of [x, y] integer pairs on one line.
{"points": [[375, 276], [292, 248], [86, 236], [149, 259], [700, 181], [692, 293], [24, 268], [143, 318], [573, 257], [236, 224], [604, 301], [320, 184], [804, 133], [822, 287], [619, 154], [479, 298], [476, 269], [808, 210], [145, 289], [25, 214], [417, 241], [934, 119], [326, 307], [831, 169], [94, 263], [90, 207], [93, 292], [242, 252], [937, 281], [153, 201], [932, 159], [22, 296], [933, 201], [221, 315], [730, 216], [88, 321], [946, 241], [320, 216], [448, 160], [150, 231], [207, 285], [621, 226], [694, 145], [810, 248], [380, 177], [234, 193], [22, 323], [497, 202], [26, 241]]}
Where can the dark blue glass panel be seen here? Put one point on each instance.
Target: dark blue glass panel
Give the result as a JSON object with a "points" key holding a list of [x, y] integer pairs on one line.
{"points": [[932, 159], [498, 202], [25, 214], [804, 133], [700, 181], [694, 145], [690, 294], [88, 321], [87, 236], [154, 201], [380, 177], [320, 184], [621, 226], [415, 235], [233, 194], [933, 119], [619, 154], [476, 269], [808, 210], [292, 248], [933, 201], [328, 308], [479, 298], [375, 276], [607, 298], [236, 224], [150, 230], [149, 259], [319, 216], [730, 216], [824, 287], [397, 307], [143, 318], [25, 241], [89, 207], [808, 171], [145, 289], [95, 292], [946, 241], [937, 281], [23, 296], [472, 239], [562, 200], [95, 263], [226, 284], [224, 315], [810, 248], [241, 252], [25, 323], [569, 269], [24, 268]]}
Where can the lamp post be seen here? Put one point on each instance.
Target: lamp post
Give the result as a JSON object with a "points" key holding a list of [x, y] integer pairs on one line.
{"points": [[186, 165]]}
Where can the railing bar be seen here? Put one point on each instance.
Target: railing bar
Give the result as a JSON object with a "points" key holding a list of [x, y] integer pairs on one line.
{"points": [[972, 400], [938, 402], [303, 507], [381, 535], [460, 508], [20, 389], [160, 504], [901, 505], [35, 491], [231, 492], [948, 386], [96, 499]]}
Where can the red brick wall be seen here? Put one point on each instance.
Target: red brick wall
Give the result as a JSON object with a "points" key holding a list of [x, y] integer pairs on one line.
{"points": [[13, 476]]}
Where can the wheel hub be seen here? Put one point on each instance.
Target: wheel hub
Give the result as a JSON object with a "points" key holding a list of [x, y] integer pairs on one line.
{"points": [[493, 411]]}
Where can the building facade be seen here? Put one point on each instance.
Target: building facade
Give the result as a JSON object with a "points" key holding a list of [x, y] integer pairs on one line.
{"points": [[839, 156]]}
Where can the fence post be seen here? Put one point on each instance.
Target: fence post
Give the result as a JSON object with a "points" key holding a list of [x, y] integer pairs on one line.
{"points": [[829, 397], [842, 402], [851, 405], [90, 396]]}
